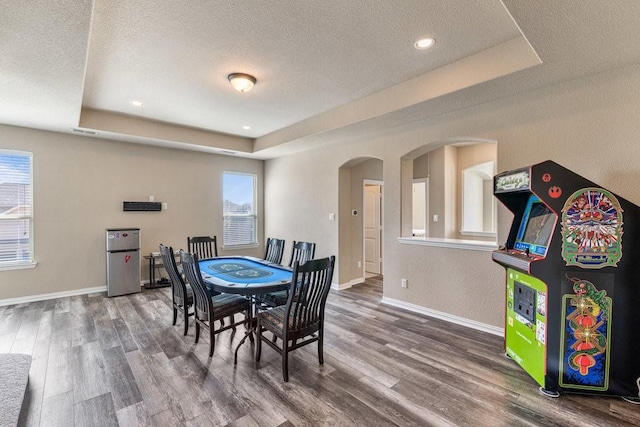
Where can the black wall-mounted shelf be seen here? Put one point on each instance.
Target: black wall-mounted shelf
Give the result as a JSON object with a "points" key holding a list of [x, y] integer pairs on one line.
{"points": [[141, 206]]}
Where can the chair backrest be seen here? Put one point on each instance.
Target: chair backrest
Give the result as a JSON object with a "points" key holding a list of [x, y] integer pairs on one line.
{"points": [[311, 282], [301, 252], [178, 286], [274, 250], [203, 246], [201, 295]]}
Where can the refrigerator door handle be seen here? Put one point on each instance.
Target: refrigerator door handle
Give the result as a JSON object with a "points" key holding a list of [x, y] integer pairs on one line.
{"points": [[123, 250]]}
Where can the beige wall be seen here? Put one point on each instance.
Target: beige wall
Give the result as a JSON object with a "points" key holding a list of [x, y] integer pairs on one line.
{"points": [[421, 166], [79, 186], [590, 125]]}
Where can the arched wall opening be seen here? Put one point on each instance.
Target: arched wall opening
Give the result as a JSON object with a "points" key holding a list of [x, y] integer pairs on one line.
{"points": [[353, 175], [438, 170]]}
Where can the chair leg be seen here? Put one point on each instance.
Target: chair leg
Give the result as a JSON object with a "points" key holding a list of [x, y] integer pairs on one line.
{"points": [[285, 362], [232, 320], [212, 339], [197, 331], [320, 353], [258, 341], [186, 320], [175, 315]]}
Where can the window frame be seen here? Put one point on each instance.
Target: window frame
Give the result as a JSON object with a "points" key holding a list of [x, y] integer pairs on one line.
{"points": [[254, 215], [30, 263]]}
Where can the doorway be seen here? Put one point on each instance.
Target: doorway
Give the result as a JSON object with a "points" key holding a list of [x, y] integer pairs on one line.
{"points": [[373, 221]]}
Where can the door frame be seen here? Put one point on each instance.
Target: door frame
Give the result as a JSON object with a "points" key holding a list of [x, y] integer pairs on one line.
{"points": [[366, 182]]}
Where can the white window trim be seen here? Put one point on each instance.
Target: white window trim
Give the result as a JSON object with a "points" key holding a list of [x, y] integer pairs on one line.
{"points": [[18, 266]]}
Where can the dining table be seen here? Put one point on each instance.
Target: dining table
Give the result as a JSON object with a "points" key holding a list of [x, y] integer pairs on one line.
{"points": [[244, 275]]}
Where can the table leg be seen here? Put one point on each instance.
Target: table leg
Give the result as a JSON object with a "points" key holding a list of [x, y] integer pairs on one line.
{"points": [[249, 332]]}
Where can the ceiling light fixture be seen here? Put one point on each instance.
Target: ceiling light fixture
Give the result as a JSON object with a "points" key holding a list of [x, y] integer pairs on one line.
{"points": [[423, 44], [137, 103], [245, 127], [242, 82]]}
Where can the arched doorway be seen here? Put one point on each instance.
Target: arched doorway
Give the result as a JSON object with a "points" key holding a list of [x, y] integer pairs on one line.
{"points": [[360, 229]]}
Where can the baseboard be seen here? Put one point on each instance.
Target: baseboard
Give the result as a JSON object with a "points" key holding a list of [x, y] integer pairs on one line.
{"points": [[53, 295], [494, 330], [342, 286]]}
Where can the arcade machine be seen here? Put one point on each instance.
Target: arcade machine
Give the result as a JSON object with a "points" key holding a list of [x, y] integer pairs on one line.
{"points": [[572, 257]]}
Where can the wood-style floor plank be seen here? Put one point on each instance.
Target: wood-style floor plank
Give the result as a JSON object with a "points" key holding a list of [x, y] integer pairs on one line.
{"points": [[119, 361], [57, 410], [97, 411]]}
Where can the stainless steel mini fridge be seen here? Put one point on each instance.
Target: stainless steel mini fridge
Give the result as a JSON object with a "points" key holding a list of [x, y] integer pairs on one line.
{"points": [[123, 261]]}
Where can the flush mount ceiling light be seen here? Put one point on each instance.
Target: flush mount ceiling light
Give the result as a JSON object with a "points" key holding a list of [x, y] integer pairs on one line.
{"points": [[137, 103], [242, 82], [423, 44], [245, 127]]}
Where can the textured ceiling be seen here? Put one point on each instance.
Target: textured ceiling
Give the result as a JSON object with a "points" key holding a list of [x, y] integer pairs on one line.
{"points": [[325, 69]]}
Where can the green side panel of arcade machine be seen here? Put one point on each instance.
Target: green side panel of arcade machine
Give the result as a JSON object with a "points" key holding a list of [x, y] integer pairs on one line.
{"points": [[526, 323]]}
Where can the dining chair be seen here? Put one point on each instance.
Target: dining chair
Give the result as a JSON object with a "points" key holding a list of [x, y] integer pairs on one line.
{"points": [[203, 246], [207, 307], [302, 317], [274, 250], [300, 252], [182, 294]]}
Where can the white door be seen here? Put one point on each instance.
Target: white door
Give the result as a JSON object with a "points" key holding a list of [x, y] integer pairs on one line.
{"points": [[373, 229]]}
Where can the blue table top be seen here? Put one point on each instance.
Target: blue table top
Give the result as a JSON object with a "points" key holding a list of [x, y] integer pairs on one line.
{"points": [[244, 275]]}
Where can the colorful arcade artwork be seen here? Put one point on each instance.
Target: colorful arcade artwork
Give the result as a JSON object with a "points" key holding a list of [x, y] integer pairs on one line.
{"points": [[585, 337], [592, 229]]}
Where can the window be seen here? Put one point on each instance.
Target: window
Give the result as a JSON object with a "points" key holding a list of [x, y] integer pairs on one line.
{"points": [[239, 211], [16, 209], [478, 203]]}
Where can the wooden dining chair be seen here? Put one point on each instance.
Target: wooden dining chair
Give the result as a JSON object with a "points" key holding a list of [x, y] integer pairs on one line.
{"points": [[182, 294], [300, 252], [274, 250], [207, 307], [203, 246], [301, 320]]}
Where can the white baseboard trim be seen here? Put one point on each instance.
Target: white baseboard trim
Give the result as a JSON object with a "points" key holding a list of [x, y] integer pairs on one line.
{"points": [[342, 286], [445, 316], [53, 295]]}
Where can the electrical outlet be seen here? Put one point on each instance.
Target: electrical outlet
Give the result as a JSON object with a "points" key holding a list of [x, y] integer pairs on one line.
{"points": [[435, 218], [403, 283], [165, 206], [359, 264]]}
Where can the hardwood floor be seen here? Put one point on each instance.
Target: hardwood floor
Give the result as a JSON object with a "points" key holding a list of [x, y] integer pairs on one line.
{"points": [[118, 361]]}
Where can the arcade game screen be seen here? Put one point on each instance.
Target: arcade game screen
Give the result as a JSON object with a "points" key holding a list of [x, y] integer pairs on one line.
{"points": [[537, 225]]}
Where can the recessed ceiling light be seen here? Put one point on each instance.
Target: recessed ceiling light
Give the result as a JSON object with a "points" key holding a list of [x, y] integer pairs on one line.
{"points": [[137, 103], [425, 43], [245, 127]]}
